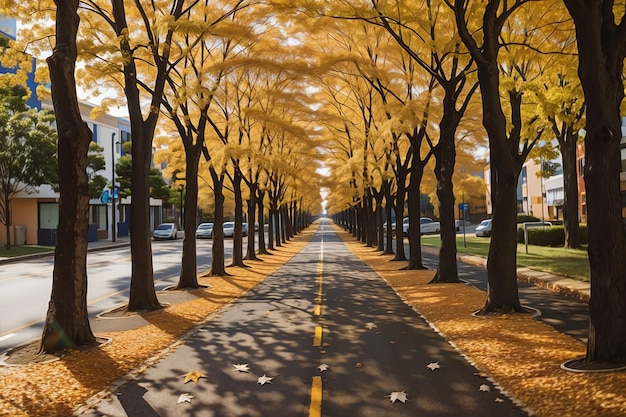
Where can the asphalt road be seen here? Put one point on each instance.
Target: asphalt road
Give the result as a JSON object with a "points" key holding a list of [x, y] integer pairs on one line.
{"points": [[323, 309], [25, 286]]}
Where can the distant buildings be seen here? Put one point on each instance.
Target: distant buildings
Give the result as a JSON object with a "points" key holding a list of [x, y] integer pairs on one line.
{"points": [[35, 216]]}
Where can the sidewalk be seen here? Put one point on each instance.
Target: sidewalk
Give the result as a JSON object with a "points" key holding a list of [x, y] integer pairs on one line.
{"points": [[572, 287], [91, 247]]}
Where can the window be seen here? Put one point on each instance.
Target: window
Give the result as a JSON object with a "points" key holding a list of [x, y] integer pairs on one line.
{"points": [[48, 215], [125, 137], [581, 166], [98, 215]]}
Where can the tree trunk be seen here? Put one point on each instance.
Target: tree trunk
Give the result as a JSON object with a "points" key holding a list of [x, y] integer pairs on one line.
{"points": [[142, 295], [238, 233], [217, 262], [378, 218], [388, 208], [444, 169], [570, 185], [414, 203], [189, 268], [284, 222], [502, 292], [399, 209], [601, 51], [261, 211], [251, 250], [67, 320], [271, 228]]}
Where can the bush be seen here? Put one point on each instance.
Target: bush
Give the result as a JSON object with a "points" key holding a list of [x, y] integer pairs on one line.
{"points": [[523, 218], [550, 236]]}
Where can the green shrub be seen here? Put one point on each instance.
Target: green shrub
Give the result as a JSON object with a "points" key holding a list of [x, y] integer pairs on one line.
{"points": [[550, 236], [523, 218]]}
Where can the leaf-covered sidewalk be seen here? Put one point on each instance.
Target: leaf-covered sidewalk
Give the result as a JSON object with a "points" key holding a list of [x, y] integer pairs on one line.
{"points": [[521, 354]]}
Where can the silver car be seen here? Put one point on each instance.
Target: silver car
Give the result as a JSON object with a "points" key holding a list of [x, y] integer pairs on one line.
{"points": [[165, 231], [204, 231], [229, 229], [484, 228]]}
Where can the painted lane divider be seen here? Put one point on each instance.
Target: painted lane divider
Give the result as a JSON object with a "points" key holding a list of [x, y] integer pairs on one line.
{"points": [[315, 409], [317, 339]]}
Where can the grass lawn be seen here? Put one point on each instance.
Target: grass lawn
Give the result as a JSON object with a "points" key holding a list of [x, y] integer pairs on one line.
{"points": [[23, 250], [566, 262]]}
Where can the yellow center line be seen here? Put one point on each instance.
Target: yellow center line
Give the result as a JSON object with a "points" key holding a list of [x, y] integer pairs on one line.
{"points": [[315, 409], [317, 339]]}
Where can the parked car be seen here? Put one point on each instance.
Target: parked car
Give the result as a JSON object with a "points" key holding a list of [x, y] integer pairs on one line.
{"points": [[229, 229], [165, 231], [484, 228], [458, 224], [427, 225], [405, 226], [204, 231]]}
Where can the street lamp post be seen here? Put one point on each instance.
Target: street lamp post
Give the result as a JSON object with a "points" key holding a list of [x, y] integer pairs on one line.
{"points": [[113, 214]]}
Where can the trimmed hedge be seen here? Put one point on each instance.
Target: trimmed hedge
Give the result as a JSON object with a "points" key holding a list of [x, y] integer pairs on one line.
{"points": [[550, 236], [523, 218]]}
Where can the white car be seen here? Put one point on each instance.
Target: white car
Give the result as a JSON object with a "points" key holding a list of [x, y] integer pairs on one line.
{"points": [[484, 228], [405, 226], [427, 225], [165, 231], [229, 229], [204, 230]]}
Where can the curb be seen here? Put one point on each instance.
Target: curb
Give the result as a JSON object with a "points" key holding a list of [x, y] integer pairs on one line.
{"points": [[21, 258], [539, 279]]}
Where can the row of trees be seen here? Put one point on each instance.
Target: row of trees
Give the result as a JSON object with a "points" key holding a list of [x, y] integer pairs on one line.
{"points": [[382, 89], [520, 58], [183, 61]]}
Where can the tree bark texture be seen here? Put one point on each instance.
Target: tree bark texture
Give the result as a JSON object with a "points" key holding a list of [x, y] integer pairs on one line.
{"points": [[261, 212], [388, 210], [271, 228], [252, 207], [399, 211], [502, 290], [378, 216], [414, 203], [502, 293], [218, 267], [570, 183], [67, 321], [238, 233], [601, 47], [142, 294], [189, 266], [445, 159]]}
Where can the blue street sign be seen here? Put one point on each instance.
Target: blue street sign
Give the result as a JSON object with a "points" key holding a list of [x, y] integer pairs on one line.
{"points": [[466, 206], [104, 198]]}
